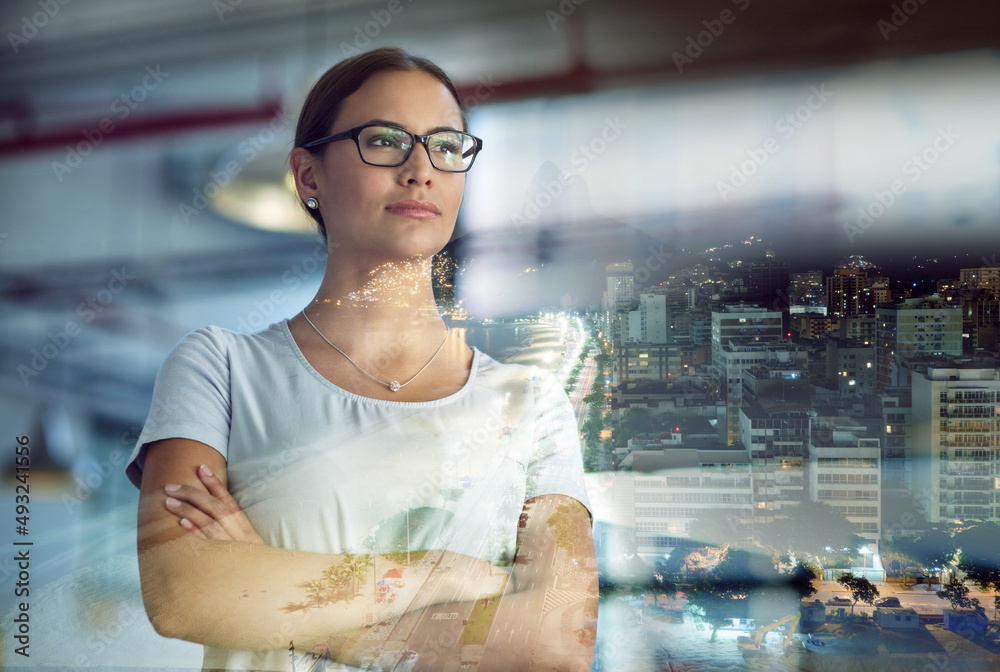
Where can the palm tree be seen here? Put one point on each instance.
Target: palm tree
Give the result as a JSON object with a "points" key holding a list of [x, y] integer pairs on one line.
{"points": [[355, 568]]}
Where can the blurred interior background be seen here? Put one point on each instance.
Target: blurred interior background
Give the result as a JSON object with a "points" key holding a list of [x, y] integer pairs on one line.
{"points": [[144, 193]]}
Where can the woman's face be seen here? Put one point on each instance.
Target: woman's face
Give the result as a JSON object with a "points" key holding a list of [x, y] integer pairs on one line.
{"points": [[368, 210]]}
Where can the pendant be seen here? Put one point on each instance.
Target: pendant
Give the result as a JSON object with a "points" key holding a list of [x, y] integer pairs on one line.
{"points": [[394, 386]]}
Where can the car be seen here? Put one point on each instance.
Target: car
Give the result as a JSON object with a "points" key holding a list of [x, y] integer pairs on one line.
{"points": [[888, 602], [839, 601], [821, 638]]}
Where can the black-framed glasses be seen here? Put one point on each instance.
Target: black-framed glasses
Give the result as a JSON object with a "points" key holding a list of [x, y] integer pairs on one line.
{"points": [[378, 145]]}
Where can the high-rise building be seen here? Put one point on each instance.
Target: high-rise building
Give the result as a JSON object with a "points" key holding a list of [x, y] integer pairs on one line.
{"points": [[769, 284], [774, 424], [737, 357], [956, 440], [638, 364], [808, 290], [736, 329], [655, 316], [843, 291], [987, 277], [851, 365], [750, 322], [621, 285], [894, 409], [858, 328], [846, 474], [914, 328]]}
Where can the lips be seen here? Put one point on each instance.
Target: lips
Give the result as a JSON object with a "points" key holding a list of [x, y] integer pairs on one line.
{"points": [[412, 208]]}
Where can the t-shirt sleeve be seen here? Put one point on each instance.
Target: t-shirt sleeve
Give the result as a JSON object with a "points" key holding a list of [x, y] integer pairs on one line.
{"points": [[556, 465], [191, 398]]}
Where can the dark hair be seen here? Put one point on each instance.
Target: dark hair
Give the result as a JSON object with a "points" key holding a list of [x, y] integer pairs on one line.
{"points": [[327, 95]]}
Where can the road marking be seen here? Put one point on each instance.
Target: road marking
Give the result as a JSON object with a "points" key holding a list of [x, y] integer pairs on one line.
{"points": [[558, 598], [445, 617]]}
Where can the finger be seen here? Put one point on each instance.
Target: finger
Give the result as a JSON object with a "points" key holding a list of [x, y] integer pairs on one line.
{"points": [[197, 522], [212, 482], [185, 511], [215, 507], [219, 519], [192, 528]]}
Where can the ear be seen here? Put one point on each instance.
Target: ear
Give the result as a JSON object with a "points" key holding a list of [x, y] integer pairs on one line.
{"points": [[305, 166]]}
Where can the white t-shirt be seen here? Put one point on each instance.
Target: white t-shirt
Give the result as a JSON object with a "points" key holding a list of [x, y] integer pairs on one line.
{"points": [[317, 468]]}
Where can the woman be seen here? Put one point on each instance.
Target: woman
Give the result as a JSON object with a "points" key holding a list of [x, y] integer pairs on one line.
{"points": [[270, 461]]}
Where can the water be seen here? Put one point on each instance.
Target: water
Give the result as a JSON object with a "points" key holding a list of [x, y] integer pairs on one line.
{"points": [[499, 341]]}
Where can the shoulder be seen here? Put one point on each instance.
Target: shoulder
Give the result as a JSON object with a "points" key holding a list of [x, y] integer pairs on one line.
{"points": [[214, 352], [214, 341], [535, 380]]}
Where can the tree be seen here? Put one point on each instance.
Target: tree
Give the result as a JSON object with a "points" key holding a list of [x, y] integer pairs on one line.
{"points": [[862, 590], [801, 580], [932, 548], [355, 567], [812, 527], [979, 554], [705, 598], [632, 422], [741, 579], [572, 531], [661, 583], [958, 594]]}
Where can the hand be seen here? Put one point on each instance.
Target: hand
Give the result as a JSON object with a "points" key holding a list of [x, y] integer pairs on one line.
{"points": [[210, 515]]}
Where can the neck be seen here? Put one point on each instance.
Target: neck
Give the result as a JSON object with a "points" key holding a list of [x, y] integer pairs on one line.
{"points": [[383, 301]]}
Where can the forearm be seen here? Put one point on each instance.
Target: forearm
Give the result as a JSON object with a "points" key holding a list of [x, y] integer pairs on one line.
{"points": [[256, 597]]}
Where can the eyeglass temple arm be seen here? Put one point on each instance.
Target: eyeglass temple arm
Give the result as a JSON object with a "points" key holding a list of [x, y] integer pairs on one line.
{"points": [[472, 150]]}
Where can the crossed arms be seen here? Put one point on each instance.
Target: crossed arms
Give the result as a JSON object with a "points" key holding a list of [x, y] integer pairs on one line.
{"points": [[207, 576]]}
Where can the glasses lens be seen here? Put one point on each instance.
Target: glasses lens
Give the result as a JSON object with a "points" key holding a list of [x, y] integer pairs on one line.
{"points": [[451, 150], [384, 146]]}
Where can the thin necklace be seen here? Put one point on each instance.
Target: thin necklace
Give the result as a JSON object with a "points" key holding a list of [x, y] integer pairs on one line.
{"points": [[395, 385]]}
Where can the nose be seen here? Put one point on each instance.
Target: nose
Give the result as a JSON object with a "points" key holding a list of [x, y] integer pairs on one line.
{"points": [[418, 168]]}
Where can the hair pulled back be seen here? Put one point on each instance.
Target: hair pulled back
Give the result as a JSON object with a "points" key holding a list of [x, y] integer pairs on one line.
{"points": [[327, 95]]}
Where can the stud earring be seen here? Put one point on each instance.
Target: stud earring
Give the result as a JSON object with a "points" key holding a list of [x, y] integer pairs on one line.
{"points": [[312, 203]]}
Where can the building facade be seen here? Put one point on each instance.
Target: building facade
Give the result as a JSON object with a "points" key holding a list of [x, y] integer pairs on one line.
{"points": [[911, 329], [956, 440]]}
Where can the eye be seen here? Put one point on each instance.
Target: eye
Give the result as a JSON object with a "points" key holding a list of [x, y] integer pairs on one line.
{"points": [[446, 143], [387, 138]]}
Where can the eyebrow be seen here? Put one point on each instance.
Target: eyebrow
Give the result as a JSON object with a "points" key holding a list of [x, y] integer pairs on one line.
{"points": [[394, 124]]}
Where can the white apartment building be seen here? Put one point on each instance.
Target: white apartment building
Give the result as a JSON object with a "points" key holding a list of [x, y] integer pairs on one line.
{"points": [[915, 328], [845, 472], [675, 485], [621, 285], [956, 440]]}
